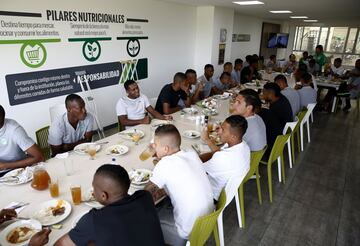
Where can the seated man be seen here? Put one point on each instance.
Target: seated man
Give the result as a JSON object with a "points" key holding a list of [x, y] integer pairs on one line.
{"points": [[72, 128], [278, 114], [182, 176], [250, 72], [223, 83], [206, 80], [313, 67], [306, 92], [291, 94], [247, 103], [291, 65], [272, 64], [121, 219], [131, 109], [305, 58], [236, 73], [170, 94], [234, 156], [17, 149], [195, 91], [353, 85], [336, 69]]}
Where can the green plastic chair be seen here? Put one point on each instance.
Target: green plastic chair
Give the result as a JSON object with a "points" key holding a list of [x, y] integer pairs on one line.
{"points": [[296, 132], [205, 225], [277, 154], [254, 169], [42, 136]]}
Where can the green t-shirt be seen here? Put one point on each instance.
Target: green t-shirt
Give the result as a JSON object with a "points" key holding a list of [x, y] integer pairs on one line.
{"points": [[320, 59]]}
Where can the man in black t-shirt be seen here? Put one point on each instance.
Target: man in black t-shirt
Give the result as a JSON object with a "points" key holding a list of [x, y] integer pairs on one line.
{"points": [[279, 112], [170, 94], [250, 72], [125, 220]]}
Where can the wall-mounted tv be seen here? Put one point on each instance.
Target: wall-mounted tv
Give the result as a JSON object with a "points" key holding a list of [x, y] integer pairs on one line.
{"points": [[278, 40]]}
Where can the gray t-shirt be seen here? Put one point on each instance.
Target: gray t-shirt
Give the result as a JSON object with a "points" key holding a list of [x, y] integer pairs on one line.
{"points": [[207, 87], [61, 131], [236, 75], [294, 99], [255, 135], [221, 86], [355, 81], [13, 142], [307, 95]]}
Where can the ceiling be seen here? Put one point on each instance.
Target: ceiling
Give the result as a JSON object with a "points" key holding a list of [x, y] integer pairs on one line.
{"points": [[342, 12]]}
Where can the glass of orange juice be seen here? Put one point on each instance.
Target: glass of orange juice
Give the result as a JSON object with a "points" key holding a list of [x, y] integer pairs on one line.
{"points": [[54, 187], [210, 127], [136, 138], [76, 194], [91, 150], [147, 153]]}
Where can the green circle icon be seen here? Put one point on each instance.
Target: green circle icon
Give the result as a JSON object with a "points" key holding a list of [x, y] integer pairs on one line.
{"points": [[33, 54], [91, 50]]}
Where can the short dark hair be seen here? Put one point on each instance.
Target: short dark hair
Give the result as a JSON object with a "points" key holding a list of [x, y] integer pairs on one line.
{"points": [[2, 115], [188, 71], [305, 52], [303, 67], [179, 77], [320, 47], [253, 60], [71, 98], [248, 57], [169, 130], [306, 77], [238, 61], [116, 173], [225, 74], [312, 61], [252, 98], [128, 83], [208, 66], [280, 77], [275, 88], [291, 55], [272, 57], [338, 60], [237, 123], [227, 63]]}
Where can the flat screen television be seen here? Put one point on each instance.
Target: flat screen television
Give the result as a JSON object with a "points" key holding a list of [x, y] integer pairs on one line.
{"points": [[278, 40]]}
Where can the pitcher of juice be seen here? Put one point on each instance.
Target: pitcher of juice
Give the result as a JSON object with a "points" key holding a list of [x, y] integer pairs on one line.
{"points": [[41, 179]]}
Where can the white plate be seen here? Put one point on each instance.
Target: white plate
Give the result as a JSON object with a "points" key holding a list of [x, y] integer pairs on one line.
{"points": [[28, 176], [157, 122], [117, 149], [191, 134], [36, 225], [82, 148], [222, 97], [77, 218], [128, 133], [139, 172], [44, 215], [93, 204], [190, 110]]}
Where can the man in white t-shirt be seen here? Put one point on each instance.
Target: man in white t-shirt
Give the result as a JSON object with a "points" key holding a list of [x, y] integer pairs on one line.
{"points": [[182, 177], [207, 82], [336, 69], [232, 159], [74, 127], [247, 103], [133, 108], [17, 149]]}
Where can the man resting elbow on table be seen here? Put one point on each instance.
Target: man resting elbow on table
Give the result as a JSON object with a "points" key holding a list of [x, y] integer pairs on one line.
{"points": [[232, 159], [74, 127], [132, 109], [17, 149]]}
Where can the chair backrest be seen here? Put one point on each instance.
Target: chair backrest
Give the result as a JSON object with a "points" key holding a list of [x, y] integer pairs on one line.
{"points": [[205, 225], [42, 136], [310, 107], [290, 126], [255, 159], [300, 117], [278, 147], [232, 187], [56, 111]]}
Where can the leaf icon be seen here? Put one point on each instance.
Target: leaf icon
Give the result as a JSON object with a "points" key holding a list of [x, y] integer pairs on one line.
{"points": [[89, 47], [94, 49]]}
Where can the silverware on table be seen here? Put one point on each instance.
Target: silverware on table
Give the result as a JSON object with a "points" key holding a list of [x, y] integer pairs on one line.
{"points": [[196, 149], [20, 205]]}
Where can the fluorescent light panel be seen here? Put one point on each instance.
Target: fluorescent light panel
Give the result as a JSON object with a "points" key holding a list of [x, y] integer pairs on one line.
{"points": [[248, 2], [280, 11], [310, 20], [298, 17]]}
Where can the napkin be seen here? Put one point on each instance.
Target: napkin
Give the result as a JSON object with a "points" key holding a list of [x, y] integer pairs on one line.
{"points": [[62, 155]]}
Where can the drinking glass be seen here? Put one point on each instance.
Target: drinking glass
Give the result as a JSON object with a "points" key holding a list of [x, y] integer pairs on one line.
{"points": [[91, 150], [54, 187], [135, 138], [147, 153], [76, 194]]}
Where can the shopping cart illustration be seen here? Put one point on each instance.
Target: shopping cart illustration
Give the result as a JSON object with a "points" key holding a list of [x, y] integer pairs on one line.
{"points": [[33, 55]]}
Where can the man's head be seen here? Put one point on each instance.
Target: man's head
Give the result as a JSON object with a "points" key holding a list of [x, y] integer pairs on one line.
{"points": [[75, 107], [281, 81], [247, 103], [191, 76], [254, 62], [273, 58], [357, 64], [238, 64], [110, 183], [208, 71], [167, 140], [248, 58], [306, 79], [312, 62], [319, 49], [292, 58], [305, 54], [232, 129], [2, 116], [271, 92], [337, 62], [132, 89], [228, 67], [180, 82], [225, 78]]}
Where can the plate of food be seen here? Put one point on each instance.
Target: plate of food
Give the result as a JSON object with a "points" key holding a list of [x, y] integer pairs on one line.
{"points": [[117, 149], [191, 134], [18, 176], [82, 149], [129, 133], [90, 199], [209, 112], [77, 218], [52, 212], [140, 176], [190, 110], [19, 233], [223, 96], [209, 103], [157, 122]]}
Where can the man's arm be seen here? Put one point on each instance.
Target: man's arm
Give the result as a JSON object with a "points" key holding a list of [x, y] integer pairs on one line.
{"points": [[34, 156], [123, 119], [157, 115], [168, 110], [155, 191], [196, 97], [65, 241], [58, 149]]}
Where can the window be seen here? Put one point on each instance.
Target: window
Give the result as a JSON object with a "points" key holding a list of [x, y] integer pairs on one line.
{"points": [[336, 41]]}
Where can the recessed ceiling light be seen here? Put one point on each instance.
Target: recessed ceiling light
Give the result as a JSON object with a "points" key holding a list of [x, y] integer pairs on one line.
{"points": [[280, 11], [249, 2], [298, 17], [310, 20]]}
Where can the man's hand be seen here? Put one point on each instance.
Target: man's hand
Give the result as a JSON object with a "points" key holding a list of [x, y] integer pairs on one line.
{"points": [[40, 238], [2, 166], [167, 117], [146, 120], [7, 214], [201, 86]]}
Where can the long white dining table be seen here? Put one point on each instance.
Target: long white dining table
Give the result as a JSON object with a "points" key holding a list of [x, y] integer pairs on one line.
{"points": [[84, 169]]}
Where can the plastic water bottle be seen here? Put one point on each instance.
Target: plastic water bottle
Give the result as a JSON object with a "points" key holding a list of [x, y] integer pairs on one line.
{"points": [[113, 161]]}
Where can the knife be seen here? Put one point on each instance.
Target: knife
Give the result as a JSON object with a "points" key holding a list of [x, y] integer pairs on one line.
{"points": [[196, 150]]}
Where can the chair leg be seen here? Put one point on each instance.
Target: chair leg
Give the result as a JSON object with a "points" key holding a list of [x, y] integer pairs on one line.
{"points": [[283, 168], [242, 208], [292, 148], [302, 137], [334, 104], [289, 151], [308, 130], [312, 117], [279, 168], [216, 235], [298, 140], [269, 181], [258, 186], [220, 229]]}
